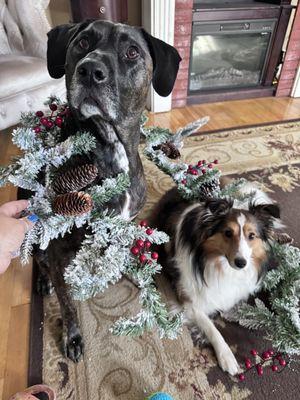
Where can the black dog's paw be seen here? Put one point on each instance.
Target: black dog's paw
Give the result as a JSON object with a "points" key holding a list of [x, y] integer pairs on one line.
{"points": [[43, 285], [73, 345]]}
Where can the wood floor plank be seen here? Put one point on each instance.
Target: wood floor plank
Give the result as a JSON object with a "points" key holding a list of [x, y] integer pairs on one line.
{"points": [[6, 289], [17, 351], [1, 388], [22, 283]]}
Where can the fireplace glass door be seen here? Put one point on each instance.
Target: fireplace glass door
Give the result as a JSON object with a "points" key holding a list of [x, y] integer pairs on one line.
{"points": [[229, 55]]}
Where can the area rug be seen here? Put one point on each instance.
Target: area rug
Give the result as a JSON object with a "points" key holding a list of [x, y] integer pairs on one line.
{"points": [[125, 368]]}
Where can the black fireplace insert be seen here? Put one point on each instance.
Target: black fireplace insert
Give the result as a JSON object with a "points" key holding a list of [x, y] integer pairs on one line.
{"points": [[236, 47], [229, 54]]}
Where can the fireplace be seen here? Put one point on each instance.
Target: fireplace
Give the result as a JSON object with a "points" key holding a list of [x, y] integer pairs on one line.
{"points": [[231, 48], [229, 54]]}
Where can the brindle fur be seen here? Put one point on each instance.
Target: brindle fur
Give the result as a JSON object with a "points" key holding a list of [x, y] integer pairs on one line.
{"points": [[110, 110]]}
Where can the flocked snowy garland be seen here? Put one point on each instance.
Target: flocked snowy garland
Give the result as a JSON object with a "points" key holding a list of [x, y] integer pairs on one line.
{"points": [[108, 251], [125, 247]]}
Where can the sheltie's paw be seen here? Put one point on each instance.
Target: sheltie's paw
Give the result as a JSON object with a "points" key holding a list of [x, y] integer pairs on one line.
{"points": [[227, 361]]}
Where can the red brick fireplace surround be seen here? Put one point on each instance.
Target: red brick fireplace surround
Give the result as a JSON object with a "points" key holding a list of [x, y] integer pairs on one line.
{"points": [[182, 41]]}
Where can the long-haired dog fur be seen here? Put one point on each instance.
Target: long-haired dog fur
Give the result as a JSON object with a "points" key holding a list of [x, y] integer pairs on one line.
{"points": [[216, 256]]}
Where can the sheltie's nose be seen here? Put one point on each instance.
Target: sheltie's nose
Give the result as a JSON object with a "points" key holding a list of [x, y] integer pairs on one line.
{"points": [[240, 262]]}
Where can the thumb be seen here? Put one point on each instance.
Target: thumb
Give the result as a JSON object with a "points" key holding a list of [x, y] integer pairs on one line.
{"points": [[13, 208]]}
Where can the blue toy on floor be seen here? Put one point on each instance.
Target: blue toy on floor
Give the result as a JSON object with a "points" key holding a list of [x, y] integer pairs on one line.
{"points": [[160, 396]]}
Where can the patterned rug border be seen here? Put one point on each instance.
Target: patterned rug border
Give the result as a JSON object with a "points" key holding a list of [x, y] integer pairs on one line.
{"points": [[35, 367], [242, 127]]}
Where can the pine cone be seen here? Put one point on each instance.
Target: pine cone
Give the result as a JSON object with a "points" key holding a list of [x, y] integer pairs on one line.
{"points": [[169, 149], [71, 204], [75, 179]]}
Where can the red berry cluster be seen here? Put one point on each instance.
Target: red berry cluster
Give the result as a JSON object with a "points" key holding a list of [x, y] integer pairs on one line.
{"points": [[199, 169], [141, 248], [58, 113], [268, 358]]}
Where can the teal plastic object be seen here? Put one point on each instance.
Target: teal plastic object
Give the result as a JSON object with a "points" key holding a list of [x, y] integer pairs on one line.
{"points": [[160, 396]]}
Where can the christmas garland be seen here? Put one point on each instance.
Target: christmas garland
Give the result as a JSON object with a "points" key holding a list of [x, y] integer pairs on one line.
{"points": [[66, 200], [280, 320]]}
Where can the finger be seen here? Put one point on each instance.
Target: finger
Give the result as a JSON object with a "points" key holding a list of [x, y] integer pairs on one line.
{"points": [[27, 224], [12, 208]]}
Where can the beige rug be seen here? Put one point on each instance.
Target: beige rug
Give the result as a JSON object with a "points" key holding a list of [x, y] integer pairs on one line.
{"points": [[126, 368]]}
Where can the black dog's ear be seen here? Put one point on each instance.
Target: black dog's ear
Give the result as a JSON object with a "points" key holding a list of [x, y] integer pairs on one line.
{"points": [[165, 64], [271, 210], [59, 39], [218, 206]]}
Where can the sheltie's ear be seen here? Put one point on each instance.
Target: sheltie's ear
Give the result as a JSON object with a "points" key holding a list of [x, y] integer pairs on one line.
{"points": [[265, 210], [218, 207]]}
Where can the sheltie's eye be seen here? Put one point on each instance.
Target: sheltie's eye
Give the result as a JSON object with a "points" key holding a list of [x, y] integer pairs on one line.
{"points": [[251, 236], [228, 233]]}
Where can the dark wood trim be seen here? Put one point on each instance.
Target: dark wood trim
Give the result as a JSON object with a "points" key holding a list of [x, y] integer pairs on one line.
{"points": [[113, 10], [278, 39], [35, 368], [236, 94], [228, 15]]}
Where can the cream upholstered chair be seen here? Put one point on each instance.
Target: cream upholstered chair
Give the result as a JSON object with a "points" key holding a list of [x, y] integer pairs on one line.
{"points": [[24, 80]]}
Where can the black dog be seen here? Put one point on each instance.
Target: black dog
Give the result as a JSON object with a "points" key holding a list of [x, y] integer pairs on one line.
{"points": [[108, 68]]}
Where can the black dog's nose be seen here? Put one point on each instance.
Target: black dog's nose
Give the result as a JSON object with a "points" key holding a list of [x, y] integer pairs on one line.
{"points": [[240, 262], [90, 72]]}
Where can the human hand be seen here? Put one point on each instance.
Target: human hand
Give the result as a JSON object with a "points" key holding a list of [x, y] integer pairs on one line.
{"points": [[12, 230]]}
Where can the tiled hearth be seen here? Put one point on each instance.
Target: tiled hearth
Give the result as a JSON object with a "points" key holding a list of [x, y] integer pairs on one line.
{"points": [[182, 41]]}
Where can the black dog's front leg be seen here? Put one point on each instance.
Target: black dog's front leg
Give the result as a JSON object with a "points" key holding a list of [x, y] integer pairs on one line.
{"points": [[72, 340]]}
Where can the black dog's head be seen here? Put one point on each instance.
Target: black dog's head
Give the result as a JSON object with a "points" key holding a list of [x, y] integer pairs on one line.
{"points": [[109, 67]]}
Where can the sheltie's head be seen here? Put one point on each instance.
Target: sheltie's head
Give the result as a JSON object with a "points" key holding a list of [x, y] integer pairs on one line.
{"points": [[219, 230]]}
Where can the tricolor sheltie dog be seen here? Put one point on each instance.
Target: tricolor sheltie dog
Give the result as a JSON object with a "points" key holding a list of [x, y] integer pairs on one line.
{"points": [[217, 254]]}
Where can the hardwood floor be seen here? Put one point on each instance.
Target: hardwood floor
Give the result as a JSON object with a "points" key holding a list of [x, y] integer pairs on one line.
{"points": [[15, 284]]}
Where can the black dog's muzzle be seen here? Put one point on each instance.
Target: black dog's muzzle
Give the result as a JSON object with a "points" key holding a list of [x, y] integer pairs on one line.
{"points": [[91, 72]]}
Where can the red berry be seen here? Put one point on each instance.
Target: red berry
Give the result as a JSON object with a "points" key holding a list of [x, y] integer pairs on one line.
{"points": [[44, 121], [274, 368], [190, 166], [216, 161], [203, 170], [53, 107], [154, 255], [241, 377], [194, 172], [39, 114], [183, 181], [140, 243], [147, 244], [253, 352], [143, 223], [210, 165], [271, 352], [142, 258], [135, 250], [37, 129], [259, 369], [248, 363], [282, 362], [265, 355], [199, 163], [58, 121], [149, 231], [50, 124], [149, 261], [278, 356], [203, 161]]}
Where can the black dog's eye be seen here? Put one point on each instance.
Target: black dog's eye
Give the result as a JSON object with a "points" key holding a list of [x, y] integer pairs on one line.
{"points": [[132, 53], [84, 43], [251, 236], [228, 233]]}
